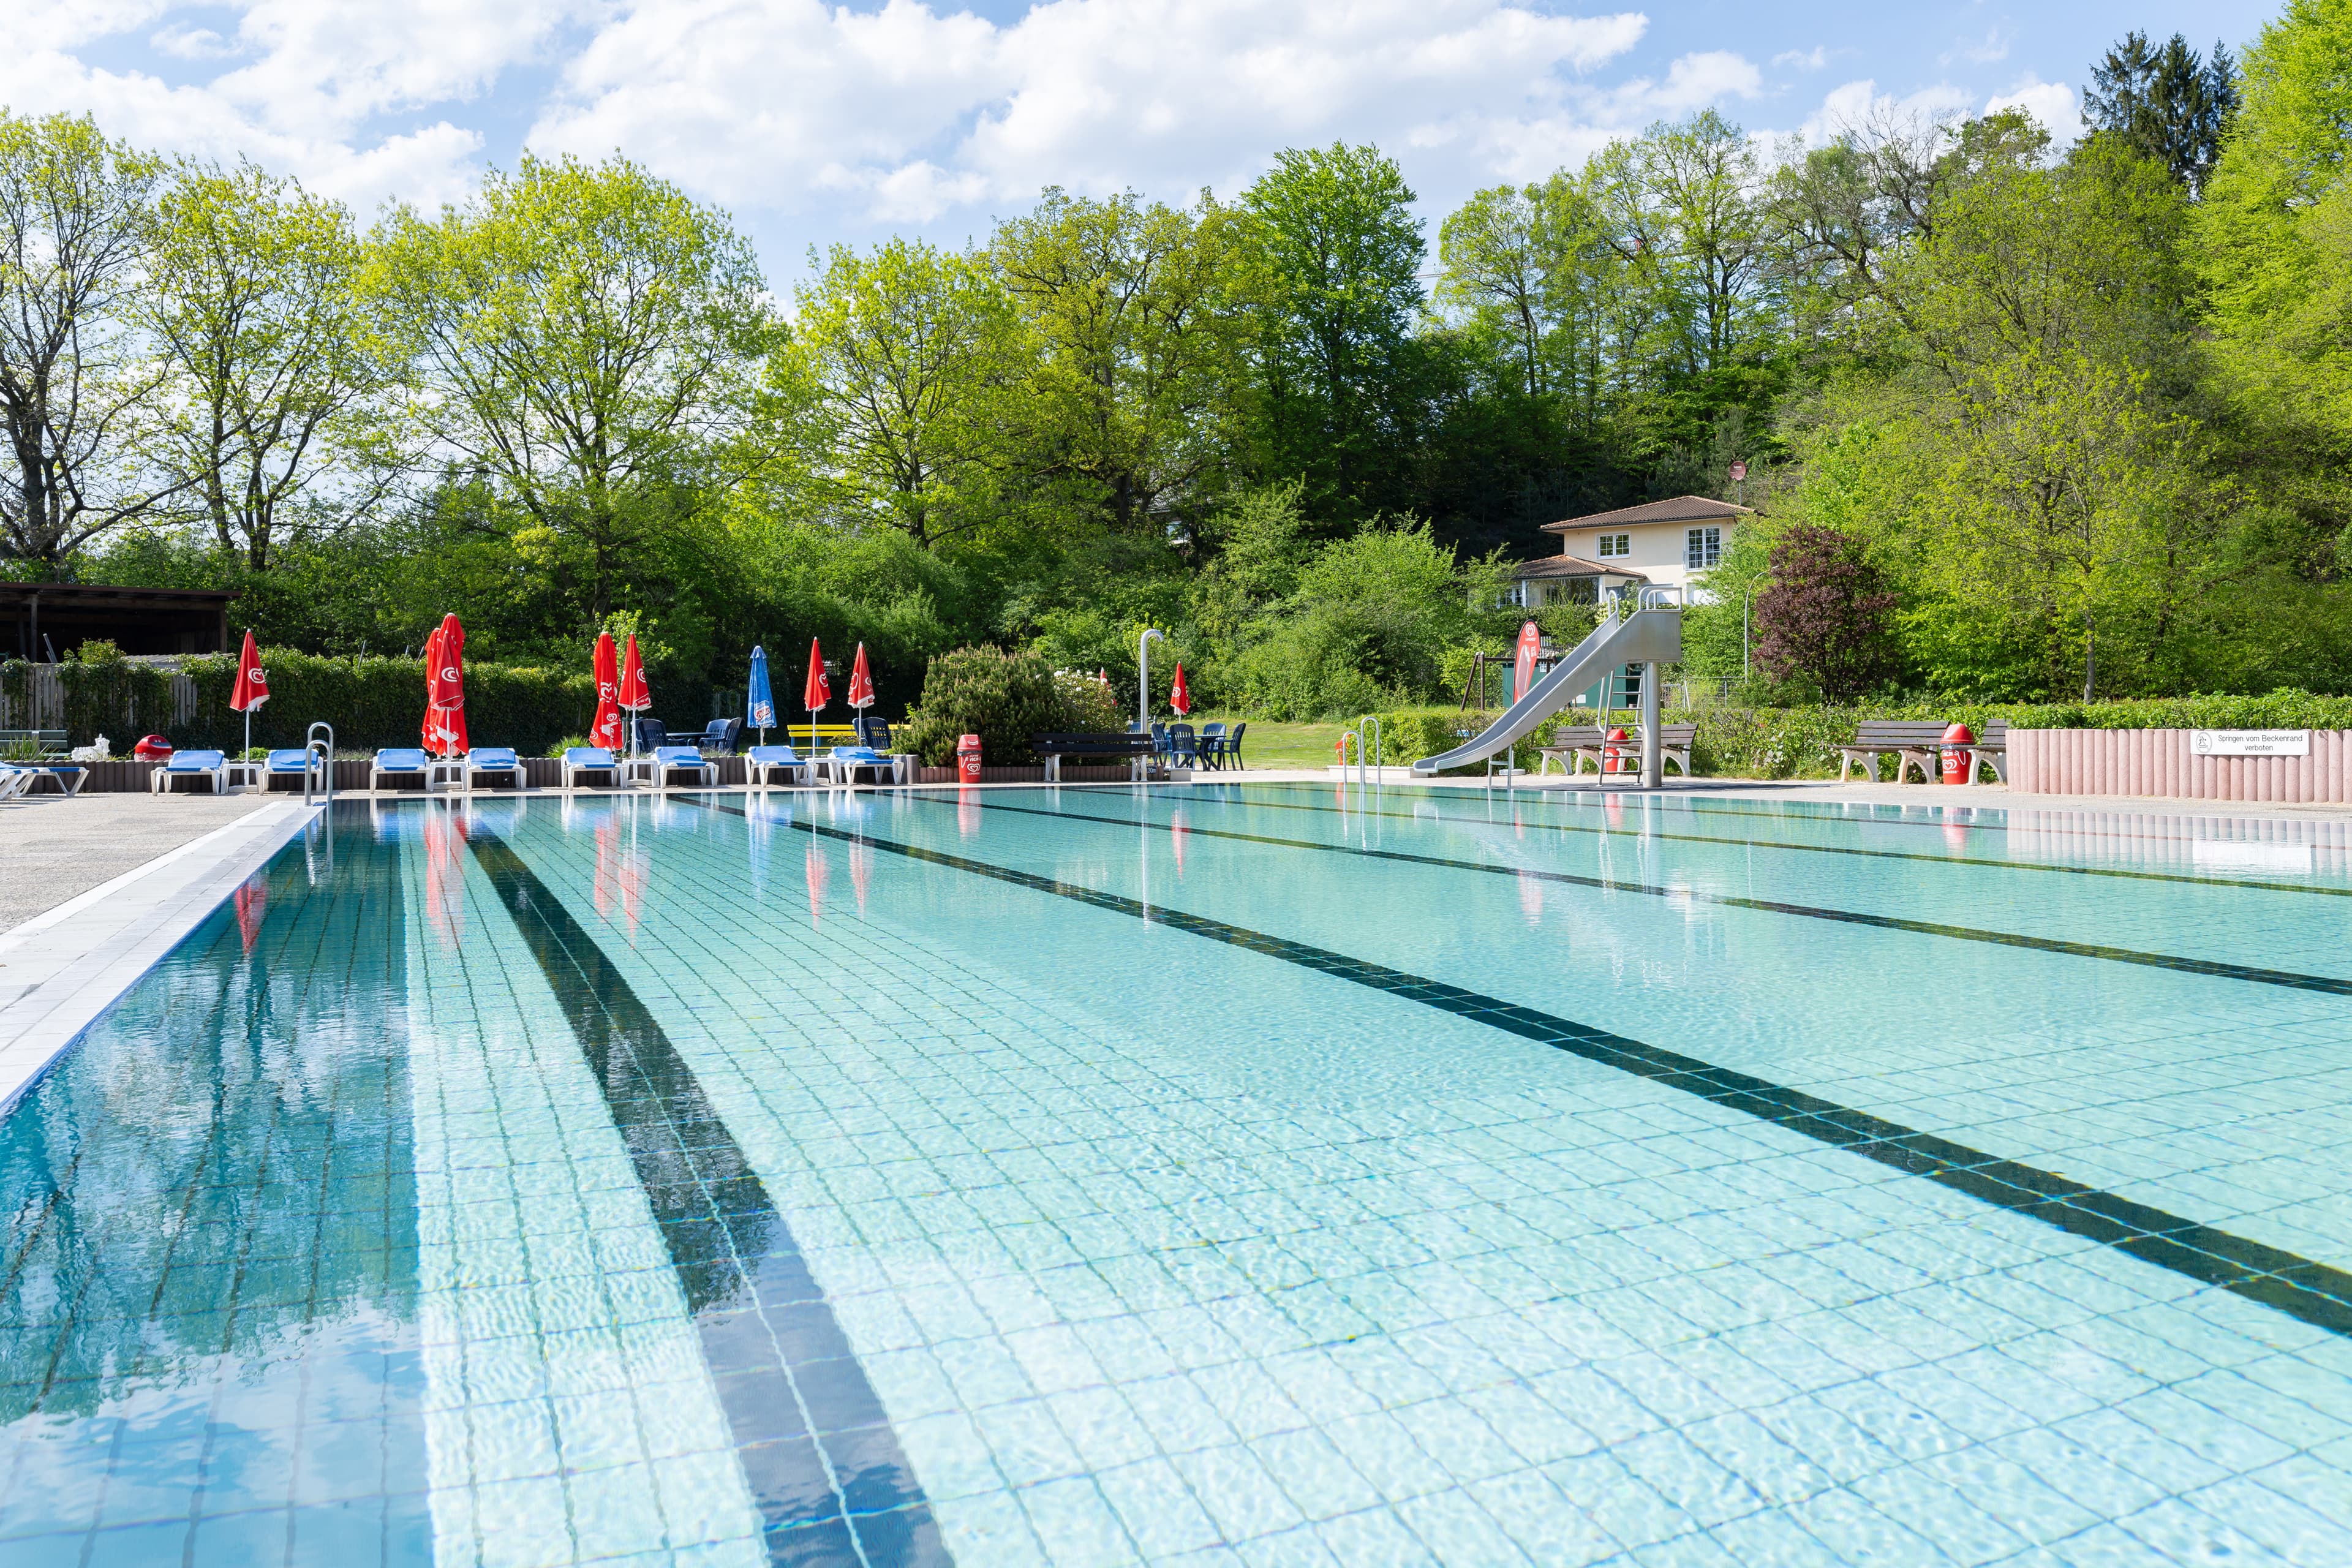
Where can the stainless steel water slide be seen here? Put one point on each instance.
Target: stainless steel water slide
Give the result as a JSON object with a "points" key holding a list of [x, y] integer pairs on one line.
{"points": [[1650, 634]]}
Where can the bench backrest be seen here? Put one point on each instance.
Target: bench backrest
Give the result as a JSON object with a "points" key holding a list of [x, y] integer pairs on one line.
{"points": [[1900, 732], [1994, 733], [1100, 743]]}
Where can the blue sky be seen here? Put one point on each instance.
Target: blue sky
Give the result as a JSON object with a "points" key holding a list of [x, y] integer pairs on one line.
{"points": [[816, 124]]}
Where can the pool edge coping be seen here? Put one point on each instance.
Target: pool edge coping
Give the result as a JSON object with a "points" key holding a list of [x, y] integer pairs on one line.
{"points": [[87, 951]]}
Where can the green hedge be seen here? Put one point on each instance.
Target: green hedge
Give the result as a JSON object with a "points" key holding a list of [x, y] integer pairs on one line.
{"points": [[375, 703]]}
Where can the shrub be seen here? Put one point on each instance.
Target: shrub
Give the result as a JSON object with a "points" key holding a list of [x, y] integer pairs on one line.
{"points": [[1088, 703], [1824, 618], [1004, 698]]}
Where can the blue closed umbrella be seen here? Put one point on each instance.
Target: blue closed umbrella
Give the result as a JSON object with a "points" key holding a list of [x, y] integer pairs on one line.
{"points": [[762, 710]]}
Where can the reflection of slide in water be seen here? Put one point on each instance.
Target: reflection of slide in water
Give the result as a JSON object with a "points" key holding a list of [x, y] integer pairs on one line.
{"points": [[1645, 636]]}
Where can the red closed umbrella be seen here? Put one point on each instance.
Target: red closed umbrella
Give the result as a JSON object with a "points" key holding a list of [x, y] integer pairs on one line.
{"points": [[1177, 697], [634, 695], [252, 687], [816, 693], [445, 689], [861, 681], [606, 730]]}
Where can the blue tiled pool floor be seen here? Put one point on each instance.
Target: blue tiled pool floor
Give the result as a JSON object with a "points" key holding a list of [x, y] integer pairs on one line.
{"points": [[1106, 1242]]}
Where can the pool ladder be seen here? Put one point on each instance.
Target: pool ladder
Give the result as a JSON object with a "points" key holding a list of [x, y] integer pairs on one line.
{"points": [[312, 746], [1367, 728]]}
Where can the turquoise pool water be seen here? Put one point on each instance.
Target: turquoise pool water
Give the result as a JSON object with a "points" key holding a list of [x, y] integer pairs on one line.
{"points": [[1244, 1174]]}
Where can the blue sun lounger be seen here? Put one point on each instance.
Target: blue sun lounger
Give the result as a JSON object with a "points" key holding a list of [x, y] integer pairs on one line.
{"points": [[668, 760], [762, 762], [399, 762], [495, 760], [212, 766], [292, 763], [847, 762], [578, 760]]}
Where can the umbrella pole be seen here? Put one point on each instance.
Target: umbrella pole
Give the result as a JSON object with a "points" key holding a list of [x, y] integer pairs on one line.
{"points": [[243, 755]]}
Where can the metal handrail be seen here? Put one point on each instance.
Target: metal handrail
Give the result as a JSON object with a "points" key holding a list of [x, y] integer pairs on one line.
{"points": [[326, 750], [1368, 738]]}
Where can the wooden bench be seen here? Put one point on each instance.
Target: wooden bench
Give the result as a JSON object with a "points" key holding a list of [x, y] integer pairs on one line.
{"points": [[51, 742], [1911, 741], [1570, 747], [1920, 743], [1990, 750], [1135, 749]]}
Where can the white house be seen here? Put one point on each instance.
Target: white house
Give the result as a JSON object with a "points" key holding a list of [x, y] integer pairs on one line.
{"points": [[1661, 542]]}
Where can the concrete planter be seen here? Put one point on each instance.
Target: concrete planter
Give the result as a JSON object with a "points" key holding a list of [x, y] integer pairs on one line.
{"points": [[2159, 763]]}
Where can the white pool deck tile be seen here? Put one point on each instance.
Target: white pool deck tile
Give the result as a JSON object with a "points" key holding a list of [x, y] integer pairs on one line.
{"points": [[61, 969]]}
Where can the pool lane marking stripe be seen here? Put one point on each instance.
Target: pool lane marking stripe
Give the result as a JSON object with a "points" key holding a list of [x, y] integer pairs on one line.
{"points": [[818, 1453], [2312, 1292], [2325, 983], [1645, 832]]}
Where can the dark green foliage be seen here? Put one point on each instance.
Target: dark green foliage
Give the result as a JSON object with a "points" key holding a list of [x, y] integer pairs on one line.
{"points": [[2170, 105], [106, 694], [375, 703], [1004, 698]]}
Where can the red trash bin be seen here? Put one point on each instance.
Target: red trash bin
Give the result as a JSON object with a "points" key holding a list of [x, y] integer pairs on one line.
{"points": [[1615, 758], [968, 760], [1957, 741], [151, 749]]}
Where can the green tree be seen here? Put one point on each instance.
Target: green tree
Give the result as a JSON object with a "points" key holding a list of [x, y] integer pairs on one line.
{"points": [[586, 340], [1128, 308], [1333, 253], [78, 390], [2276, 232], [892, 392], [251, 302], [2169, 104]]}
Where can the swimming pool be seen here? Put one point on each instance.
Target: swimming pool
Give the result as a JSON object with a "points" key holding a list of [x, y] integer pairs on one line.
{"points": [[1243, 1173]]}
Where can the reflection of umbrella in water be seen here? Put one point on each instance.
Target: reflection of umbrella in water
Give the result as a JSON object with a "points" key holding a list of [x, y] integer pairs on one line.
{"points": [[815, 868], [252, 903], [445, 875]]}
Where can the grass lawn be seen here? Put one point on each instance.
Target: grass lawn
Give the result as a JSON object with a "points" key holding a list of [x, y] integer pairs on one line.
{"points": [[1271, 745]]}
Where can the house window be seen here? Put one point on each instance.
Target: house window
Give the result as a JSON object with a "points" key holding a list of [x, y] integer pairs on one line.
{"points": [[1702, 547], [1616, 545]]}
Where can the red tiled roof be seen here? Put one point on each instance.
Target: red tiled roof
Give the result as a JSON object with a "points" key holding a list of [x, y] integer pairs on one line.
{"points": [[1681, 509]]}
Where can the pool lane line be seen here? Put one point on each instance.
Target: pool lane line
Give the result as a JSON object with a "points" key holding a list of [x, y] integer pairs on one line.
{"points": [[2328, 984], [825, 1467], [2309, 1292], [1998, 864], [1584, 799]]}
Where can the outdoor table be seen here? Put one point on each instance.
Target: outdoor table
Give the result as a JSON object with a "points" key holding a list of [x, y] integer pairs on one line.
{"points": [[238, 775]]}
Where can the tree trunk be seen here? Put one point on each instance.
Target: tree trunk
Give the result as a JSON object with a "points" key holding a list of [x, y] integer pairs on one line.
{"points": [[2090, 658]]}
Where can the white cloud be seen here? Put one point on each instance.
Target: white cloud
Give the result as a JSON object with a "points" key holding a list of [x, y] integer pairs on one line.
{"points": [[2052, 103], [771, 103], [839, 116], [189, 42], [1811, 59], [1856, 105]]}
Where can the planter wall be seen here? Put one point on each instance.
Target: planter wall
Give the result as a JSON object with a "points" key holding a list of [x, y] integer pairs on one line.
{"points": [[2158, 762]]}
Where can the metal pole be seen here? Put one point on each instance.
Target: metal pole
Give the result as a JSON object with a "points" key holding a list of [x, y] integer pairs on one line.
{"points": [[1143, 679], [1653, 760], [1744, 598]]}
